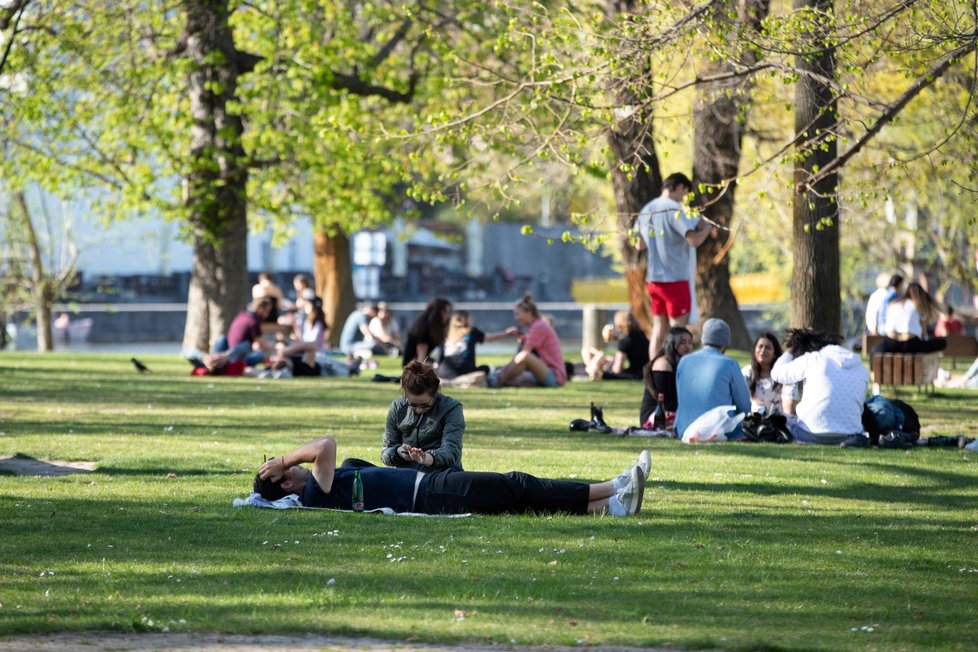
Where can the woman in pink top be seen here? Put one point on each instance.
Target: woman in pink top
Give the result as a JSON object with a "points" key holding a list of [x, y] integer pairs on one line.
{"points": [[540, 361]]}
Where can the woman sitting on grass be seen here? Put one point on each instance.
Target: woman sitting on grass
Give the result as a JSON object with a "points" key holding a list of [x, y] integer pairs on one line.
{"points": [[444, 492], [299, 356], [632, 348], [660, 375], [424, 427], [540, 361], [766, 395]]}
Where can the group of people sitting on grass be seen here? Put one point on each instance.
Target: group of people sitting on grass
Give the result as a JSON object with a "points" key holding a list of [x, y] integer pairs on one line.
{"points": [[422, 454], [816, 384]]}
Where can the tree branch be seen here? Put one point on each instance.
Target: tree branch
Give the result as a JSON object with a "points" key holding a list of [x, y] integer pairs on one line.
{"points": [[357, 86], [922, 83]]}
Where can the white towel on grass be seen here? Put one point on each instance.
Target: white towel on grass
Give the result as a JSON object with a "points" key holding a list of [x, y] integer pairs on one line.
{"points": [[292, 502]]}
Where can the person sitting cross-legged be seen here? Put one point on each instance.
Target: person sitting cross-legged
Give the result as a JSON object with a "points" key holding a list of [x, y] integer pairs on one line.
{"points": [[444, 492], [835, 382]]}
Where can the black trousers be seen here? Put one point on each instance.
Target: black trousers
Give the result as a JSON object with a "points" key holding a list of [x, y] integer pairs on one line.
{"points": [[913, 345], [458, 492]]}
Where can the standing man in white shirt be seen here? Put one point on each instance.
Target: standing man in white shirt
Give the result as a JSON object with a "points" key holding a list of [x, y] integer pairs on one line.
{"points": [[669, 234]]}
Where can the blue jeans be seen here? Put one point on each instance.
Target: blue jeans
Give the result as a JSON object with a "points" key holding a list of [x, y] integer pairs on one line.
{"points": [[240, 350]]}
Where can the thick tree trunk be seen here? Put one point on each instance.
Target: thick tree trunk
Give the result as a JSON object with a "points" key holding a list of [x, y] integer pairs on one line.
{"points": [[718, 134], [216, 184], [631, 143], [815, 283], [334, 280]]}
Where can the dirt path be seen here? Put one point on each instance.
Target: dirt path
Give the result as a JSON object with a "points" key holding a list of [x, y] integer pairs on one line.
{"points": [[232, 643]]}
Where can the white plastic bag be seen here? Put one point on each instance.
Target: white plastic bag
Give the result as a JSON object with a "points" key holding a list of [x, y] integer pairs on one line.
{"points": [[713, 425]]}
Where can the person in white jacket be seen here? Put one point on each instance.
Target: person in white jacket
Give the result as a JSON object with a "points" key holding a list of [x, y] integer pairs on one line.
{"points": [[835, 383]]}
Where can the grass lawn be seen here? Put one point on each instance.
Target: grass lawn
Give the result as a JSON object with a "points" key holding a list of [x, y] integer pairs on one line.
{"points": [[741, 546]]}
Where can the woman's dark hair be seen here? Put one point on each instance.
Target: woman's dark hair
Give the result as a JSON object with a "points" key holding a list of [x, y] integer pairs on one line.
{"points": [[755, 368], [805, 340], [669, 350], [420, 378], [269, 490], [430, 326], [318, 316]]}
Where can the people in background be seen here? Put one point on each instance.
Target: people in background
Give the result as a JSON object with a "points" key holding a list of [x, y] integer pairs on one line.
{"points": [[908, 316], [460, 344], [299, 356], [669, 234], [835, 382], [631, 356], [385, 334], [887, 287], [707, 379], [540, 360], [766, 395], [948, 324], [659, 375], [356, 330], [265, 287], [427, 332], [244, 338]]}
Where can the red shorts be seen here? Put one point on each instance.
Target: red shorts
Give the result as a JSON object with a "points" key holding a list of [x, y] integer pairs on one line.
{"points": [[671, 298]]}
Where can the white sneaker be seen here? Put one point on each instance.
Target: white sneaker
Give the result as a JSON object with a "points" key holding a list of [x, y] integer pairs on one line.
{"points": [[631, 496], [643, 461]]}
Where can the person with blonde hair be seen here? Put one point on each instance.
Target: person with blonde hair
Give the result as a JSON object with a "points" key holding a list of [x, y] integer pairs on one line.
{"points": [[633, 347], [459, 350], [540, 360]]}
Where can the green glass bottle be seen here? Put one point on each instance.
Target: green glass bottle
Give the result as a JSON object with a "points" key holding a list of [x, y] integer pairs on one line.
{"points": [[357, 493]]}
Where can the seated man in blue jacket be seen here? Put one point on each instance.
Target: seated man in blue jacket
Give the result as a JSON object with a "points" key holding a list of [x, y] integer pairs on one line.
{"points": [[707, 379]]}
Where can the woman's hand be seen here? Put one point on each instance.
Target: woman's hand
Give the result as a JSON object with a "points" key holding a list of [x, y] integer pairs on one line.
{"points": [[418, 455]]}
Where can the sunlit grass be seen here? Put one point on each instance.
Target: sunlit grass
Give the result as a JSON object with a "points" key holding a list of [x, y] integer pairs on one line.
{"points": [[738, 547]]}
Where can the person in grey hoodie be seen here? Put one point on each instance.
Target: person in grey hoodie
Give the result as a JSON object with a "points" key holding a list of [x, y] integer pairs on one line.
{"points": [[835, 383]]}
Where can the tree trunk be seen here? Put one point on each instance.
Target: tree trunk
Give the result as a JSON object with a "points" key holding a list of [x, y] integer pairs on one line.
{"points": [[216, 183], [815, 282], [334, 280], [632, 145], [718, 134], [40, 286]]}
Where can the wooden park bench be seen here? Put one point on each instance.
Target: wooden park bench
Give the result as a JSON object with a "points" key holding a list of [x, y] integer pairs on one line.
{"points": [[918, 370], [961, 347]]}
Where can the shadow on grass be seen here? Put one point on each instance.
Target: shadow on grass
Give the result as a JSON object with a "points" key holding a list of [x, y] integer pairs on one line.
{"points": [[692, 578]]}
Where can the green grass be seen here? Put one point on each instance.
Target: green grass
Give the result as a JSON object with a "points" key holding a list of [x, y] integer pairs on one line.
{"points": [[738, 547]]}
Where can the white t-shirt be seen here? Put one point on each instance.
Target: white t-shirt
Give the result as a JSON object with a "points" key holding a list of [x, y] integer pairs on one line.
{"points": [[902, 317]]}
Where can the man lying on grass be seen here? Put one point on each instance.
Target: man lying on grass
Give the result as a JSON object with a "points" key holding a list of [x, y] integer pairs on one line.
{"points": [[444, 492]]}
